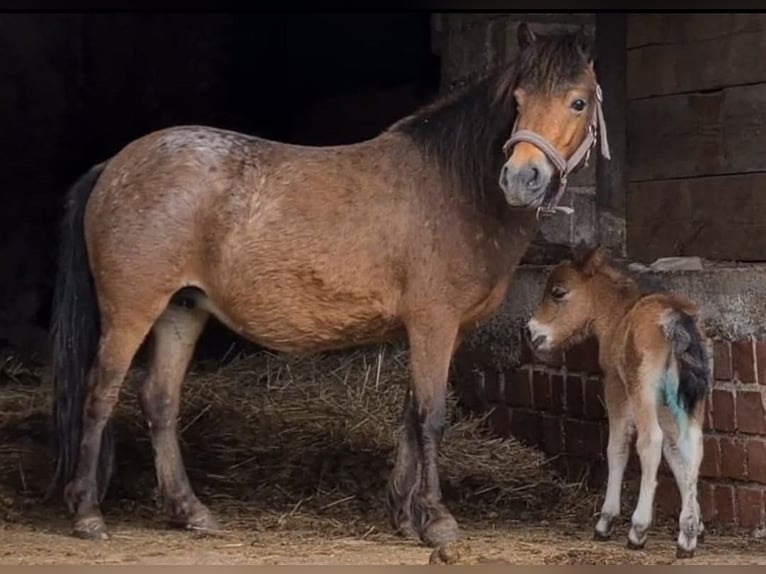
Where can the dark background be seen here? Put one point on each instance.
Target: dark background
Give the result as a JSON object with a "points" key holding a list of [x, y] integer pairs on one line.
{"points": [[75, 88]]}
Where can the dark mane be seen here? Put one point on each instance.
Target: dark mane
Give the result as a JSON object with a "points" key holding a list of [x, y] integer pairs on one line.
{"points": [[464, 132]]}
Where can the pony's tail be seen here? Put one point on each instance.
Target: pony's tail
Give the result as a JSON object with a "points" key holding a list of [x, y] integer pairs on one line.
{"points": [[75, 331], [688, 348]]}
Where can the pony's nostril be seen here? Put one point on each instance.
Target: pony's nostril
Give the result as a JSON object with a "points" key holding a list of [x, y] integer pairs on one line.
{"points": [[537, 341]]}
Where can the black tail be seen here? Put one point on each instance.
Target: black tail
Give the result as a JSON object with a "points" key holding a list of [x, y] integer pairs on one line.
{"points": [[694, 376], [75, 331]]}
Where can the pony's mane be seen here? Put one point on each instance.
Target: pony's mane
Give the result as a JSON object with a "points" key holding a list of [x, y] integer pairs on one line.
{"points": [[464, 132]]}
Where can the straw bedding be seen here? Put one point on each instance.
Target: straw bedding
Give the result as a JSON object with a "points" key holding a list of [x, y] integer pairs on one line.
{"points": [[274, 441]]}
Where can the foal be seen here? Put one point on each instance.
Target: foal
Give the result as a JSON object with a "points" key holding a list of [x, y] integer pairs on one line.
{"points": [[656, 377]]}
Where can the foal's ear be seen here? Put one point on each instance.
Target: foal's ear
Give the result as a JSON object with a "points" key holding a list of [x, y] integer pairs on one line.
{"points": [[525, 36], [591, 259]]}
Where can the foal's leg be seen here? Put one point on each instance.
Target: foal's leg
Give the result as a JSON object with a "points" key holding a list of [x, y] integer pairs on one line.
{"points": [[121, 336], [175, 336], [649, 447], [617, 452], [432, 342], [684, 456]]}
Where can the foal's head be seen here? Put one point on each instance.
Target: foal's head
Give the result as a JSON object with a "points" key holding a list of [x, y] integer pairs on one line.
{"points": [[576, 294], [556, 97]]}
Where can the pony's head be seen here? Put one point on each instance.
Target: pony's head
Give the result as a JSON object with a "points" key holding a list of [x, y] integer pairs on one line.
{"points": [[558, 116]]}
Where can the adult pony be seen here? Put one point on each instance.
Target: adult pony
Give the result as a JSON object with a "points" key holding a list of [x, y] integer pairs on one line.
{"points": [[305, 249]]}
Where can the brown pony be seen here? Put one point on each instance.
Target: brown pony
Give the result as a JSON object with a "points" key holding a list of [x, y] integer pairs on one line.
{"points": [[656, 379], [305, 249]]}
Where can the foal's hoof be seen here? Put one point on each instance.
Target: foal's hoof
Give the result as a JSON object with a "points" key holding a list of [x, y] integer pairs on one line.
{"points": [[683, 553], [440, 531], [631, 545], [90, 528], [602, 536], [455, 552]]}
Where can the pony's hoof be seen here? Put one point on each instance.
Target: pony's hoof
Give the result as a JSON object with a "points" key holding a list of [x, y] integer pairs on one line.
{"points": [[455, 552], [406, 530], [90, 528], [203, 523], [683, 553], [631, 545], [440, 531]]}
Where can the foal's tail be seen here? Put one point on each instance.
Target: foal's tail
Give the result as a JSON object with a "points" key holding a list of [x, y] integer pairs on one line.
{"points": [[694, 376], [75, 331]]}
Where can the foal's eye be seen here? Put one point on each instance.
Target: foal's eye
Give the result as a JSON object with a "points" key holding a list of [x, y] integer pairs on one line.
{"points": [[578, 105], [558, 293]]}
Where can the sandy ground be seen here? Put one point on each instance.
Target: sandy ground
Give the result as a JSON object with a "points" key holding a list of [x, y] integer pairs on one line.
{"points": [[46, 542]]}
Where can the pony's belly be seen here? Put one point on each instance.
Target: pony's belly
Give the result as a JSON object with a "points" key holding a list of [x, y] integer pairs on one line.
{"points": [[302, 326]]}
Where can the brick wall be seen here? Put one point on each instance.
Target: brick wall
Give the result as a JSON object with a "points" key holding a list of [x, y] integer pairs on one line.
{"points": [[559, 407]]}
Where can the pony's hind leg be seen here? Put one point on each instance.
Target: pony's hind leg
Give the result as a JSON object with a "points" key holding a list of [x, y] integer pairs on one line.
{"points": [[404, 478], [120, 339], [175, 335]]}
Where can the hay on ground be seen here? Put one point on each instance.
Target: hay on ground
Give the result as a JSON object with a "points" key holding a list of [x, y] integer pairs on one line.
{"points": [[278, 438]]}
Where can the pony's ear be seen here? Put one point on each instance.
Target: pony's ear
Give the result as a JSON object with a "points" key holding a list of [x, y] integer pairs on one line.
{"points": [[586, 43], [590, 259], [525, 36]]}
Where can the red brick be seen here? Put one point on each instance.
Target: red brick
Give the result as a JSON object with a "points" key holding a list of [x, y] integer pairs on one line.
{"points": [[575, 400], [541, 391], [558, 390], [493, 387], [594, 398], [723, 497], [750, 507], [517, 388], [551, 434], [733, 457], [583, 357], [525, 426], [583, 438], [722, 360], [751, 417], [760, 361], [711, 458], [667, 497], [527, 357], [500, 420], [707, 422], [756, 460], [705, 495], [723, 410], [743, 361]]}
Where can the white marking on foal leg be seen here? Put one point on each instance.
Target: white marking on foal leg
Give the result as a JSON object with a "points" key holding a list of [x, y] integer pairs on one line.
{"points": [[617, 452], [689, 521], [649, 446]]}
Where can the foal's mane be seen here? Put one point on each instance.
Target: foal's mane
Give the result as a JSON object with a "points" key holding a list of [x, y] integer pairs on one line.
{"points": [[464, 131]]}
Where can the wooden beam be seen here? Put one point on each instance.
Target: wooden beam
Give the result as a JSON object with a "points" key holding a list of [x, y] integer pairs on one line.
{"points": [[721, 217], [727, 60], [698, 134], [680, 28]]}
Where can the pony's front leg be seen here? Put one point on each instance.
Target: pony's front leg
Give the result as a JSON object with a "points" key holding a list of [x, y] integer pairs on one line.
{"points": [[432, 341]]}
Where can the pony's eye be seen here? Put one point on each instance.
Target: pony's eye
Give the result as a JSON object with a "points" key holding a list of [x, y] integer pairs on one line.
{"points": [[578, 105], [558, 293]]}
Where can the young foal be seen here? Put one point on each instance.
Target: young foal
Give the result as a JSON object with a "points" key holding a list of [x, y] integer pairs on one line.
{"points": [[656, 377], [304, 249]]}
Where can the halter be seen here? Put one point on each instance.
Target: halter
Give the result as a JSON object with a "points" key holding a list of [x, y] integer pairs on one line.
{"points": [[596, 130]]}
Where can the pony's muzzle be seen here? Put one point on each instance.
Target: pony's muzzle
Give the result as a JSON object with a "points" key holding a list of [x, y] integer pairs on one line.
{"points": [[525, 185]]}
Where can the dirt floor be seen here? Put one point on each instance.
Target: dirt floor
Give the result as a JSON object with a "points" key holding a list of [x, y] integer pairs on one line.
{"points": [[299, 477], [38, 540]]}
